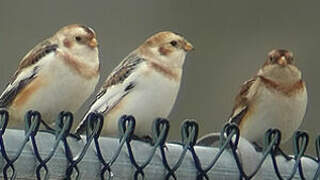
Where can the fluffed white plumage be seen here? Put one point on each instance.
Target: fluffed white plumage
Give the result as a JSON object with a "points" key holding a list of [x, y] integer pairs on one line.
{"points": [[145, 84], [275, 98], [273, 110], [57, 75]]}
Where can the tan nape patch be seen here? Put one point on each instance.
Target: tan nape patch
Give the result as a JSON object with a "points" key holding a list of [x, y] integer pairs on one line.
{"points": [[286, 90], [166, 71], [27, 92], [79, 67], [155, 39]]}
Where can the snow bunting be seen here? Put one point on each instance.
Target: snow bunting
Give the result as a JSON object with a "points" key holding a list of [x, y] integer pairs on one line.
{"points": [[145, 84], [276, 97], [59, 74]]}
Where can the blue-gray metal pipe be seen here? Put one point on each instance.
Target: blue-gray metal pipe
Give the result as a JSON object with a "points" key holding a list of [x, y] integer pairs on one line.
{"points": [[90, 166]]}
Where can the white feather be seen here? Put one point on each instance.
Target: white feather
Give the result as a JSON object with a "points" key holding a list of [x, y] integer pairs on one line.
{"points": [[61, 90], [153, 96], [274, 110]]}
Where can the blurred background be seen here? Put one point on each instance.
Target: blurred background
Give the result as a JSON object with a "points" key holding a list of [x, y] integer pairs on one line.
{"points": [[231, 38]]}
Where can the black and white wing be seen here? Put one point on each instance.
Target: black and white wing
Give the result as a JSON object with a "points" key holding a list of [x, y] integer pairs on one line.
{"points": [[118, 84], [27, 71], [242, 105]]}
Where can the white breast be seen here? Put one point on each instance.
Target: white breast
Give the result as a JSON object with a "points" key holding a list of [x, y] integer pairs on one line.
{"points": [[62, 90], [153, 96], [274, 110]]}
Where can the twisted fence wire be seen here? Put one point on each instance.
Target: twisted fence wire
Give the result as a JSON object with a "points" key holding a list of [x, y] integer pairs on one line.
{"points": [[228, 142]]}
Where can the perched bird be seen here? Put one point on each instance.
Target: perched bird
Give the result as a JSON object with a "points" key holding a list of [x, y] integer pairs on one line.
{"points": [[276, 97], [59, 74], [145, 84]]}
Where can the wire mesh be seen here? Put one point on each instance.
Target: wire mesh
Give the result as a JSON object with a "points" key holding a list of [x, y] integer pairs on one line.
{"points": [[32, 154]]}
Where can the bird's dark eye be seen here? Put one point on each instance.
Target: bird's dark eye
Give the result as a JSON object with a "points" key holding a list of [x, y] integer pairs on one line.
{"points": [[271, 58], [173, 43], [78, 38]]}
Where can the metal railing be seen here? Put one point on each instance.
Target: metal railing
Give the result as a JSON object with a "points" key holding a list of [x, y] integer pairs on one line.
{"points": [[32, 154]]}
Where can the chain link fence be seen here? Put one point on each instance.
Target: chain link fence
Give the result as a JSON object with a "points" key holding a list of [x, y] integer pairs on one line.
{"points": [[34, 154]]}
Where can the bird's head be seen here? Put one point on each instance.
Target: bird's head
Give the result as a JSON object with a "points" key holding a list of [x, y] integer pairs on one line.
{"points": [[167, 47]]}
